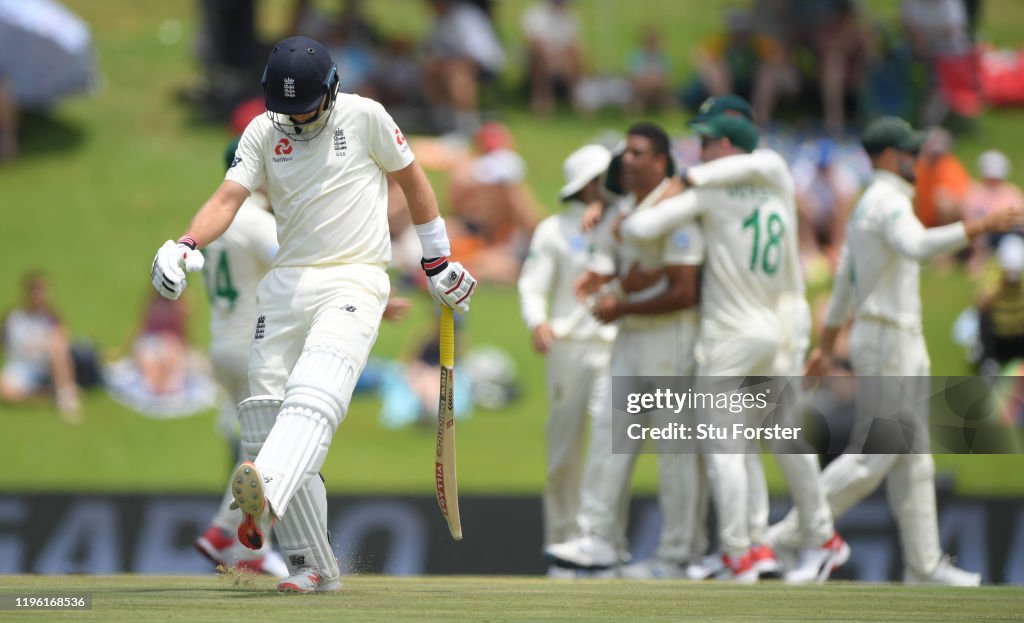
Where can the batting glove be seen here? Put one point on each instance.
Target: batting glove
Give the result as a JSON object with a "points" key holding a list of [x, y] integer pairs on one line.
{"points": [[170, 264], [450, 284]]}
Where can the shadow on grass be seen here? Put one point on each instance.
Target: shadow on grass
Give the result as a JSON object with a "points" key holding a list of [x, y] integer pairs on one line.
{"points": [[42, 134]]}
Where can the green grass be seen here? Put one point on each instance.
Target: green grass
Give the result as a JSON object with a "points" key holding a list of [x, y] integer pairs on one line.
{"points": [[498, 599], [105, 179]]}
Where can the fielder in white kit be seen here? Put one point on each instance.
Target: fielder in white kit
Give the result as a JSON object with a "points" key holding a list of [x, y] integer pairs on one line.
{"points": [[819, 549], [751, 272], [234, 265], [657, 327], [577, 347], [877, 281], [324, 157]]}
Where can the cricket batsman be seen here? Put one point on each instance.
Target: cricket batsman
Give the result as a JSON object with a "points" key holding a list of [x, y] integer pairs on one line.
{"points": [[323, 156]]}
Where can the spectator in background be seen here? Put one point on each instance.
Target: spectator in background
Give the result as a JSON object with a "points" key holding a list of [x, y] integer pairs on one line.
{"points": [[825, 193], [649, 74], [840, 43], [354, 43], [744, 61], [941, 184], [159, 348], [8, 121], [1001, 306], [230, 54], [831, 41], [461, 50], [554, 59], [937, 30], [991, 193], [494, 208], [37, 351]]}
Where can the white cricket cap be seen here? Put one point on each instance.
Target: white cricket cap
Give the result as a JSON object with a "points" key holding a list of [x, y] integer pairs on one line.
{"points": [[993, 165], [583, 165], [1011, 253]]}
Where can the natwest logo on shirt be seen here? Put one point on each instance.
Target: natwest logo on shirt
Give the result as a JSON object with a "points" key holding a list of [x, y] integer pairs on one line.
{"points": [[400, 139], [282, 149]]}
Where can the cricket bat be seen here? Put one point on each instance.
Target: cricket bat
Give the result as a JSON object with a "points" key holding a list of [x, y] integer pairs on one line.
{"points": [[444, 464]]}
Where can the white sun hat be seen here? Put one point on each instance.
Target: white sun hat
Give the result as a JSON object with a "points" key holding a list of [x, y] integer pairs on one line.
{"points": [[583, 165], [1011, 254], [993, 165]]}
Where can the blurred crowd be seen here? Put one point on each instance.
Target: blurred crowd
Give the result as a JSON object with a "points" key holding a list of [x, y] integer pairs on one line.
{"points": [[812, 69], [830, 62]]}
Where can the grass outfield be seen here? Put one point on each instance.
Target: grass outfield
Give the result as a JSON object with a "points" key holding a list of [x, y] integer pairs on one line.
{"points": [[496, 599]]}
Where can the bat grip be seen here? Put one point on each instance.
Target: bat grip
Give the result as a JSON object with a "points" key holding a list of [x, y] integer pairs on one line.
{"points": [[447, 338]]}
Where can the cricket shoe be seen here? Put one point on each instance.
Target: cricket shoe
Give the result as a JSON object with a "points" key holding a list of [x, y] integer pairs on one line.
{"points": [[945, 574], [816, 564], [764, 560], [220, 547], [710, 566], [215, 544], [586, 552], [655, 569], [308, 580], [739, 569], [247, 489]]}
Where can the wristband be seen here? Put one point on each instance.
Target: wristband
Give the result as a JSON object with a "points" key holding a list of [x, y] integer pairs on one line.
{"points": [[189, 242], [434, 238], [434, 266]]}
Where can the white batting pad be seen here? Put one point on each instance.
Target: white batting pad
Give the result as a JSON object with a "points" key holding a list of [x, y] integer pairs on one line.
{"points": [[315, 402], [302, 535], [256, 417]]}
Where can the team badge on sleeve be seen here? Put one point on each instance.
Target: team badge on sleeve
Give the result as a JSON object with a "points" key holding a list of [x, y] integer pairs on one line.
{"points": [[681, 240]]}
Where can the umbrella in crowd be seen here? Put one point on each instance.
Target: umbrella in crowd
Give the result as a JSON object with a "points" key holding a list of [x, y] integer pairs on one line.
{"points": [[45, 51]]}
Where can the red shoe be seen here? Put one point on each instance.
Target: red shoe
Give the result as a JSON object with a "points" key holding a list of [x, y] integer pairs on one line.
{"points": [[247, 489], [219, 547], [764, 560], [740, 569], [214, 545], [818, 563], [270, 564]]}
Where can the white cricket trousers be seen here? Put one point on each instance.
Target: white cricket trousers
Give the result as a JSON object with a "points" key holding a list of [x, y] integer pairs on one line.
{"points": [[663, 348], [315, 329], [578, 382], [738, 488], [883, 349]]}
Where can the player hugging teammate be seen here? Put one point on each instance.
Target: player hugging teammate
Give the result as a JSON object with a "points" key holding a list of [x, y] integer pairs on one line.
{"points": [[735, 217]]}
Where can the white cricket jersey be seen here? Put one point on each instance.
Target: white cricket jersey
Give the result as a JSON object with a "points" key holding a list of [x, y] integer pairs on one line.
{"points": [[330, 193], [748, 216], [878, 276], [235, 264], [558, 255], [675, 246]]}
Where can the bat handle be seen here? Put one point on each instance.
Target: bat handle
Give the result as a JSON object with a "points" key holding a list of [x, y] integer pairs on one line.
{"points": [[447, 338]]}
